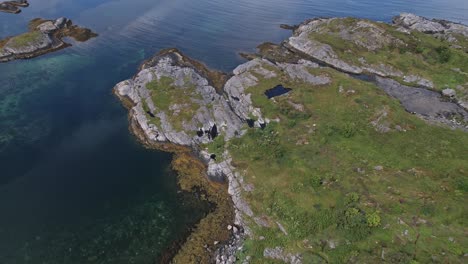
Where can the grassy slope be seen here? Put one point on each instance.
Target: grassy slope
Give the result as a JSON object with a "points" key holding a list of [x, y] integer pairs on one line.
{"points": [[421, 55], [306, 177]]}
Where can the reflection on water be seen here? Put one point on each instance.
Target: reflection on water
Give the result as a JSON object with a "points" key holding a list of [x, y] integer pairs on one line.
{"points": [[74, 184]]}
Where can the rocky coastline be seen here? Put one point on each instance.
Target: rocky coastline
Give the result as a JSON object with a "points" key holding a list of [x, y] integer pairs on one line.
{"points": [[13, 6], [44, 36], [133, 93], [301, 44], [177, 104]]}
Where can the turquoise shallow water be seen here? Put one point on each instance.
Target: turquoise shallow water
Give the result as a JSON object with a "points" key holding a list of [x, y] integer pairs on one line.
{"points": [[75, 186]]}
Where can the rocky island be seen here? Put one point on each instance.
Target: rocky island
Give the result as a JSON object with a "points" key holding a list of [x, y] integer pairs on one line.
{"points": [[13, 6], [44, 36], [345, 143]]}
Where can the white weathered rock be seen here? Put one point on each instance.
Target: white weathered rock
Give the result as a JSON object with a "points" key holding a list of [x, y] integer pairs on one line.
{"points": [[449, 92], [378, 168], [362, 33], [237, 85], [440, 28], [213, 109], [279, 254], [419, 81], [61, 22], [47, 27], [320, 51], [414, 22], [301, 72]]}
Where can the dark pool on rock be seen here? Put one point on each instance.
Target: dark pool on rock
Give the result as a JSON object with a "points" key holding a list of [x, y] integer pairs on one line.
{"points": [[75, 186], [277, 91]]}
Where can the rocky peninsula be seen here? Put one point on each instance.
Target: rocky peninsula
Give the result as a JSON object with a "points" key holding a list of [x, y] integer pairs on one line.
{"points": [[13, 6], [44, 36], [344, 143]]}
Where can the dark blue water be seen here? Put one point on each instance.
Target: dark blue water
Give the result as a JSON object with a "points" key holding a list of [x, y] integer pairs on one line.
{"points": [[73, 181], [277, 91]]}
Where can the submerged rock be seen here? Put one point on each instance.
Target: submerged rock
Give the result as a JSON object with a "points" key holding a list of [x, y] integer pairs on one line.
{"points": [[44, 36]]}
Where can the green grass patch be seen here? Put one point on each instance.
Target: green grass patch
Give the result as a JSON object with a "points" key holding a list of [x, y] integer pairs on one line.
{"points": [[414, 54], [327, 189], [176, 102], [25, 39]]}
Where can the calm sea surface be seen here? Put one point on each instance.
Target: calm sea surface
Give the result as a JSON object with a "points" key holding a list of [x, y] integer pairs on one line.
{"points": [[75, 186]]}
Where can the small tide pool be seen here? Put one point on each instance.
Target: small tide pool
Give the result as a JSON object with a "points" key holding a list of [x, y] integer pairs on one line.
{"points": [[277, 91]]}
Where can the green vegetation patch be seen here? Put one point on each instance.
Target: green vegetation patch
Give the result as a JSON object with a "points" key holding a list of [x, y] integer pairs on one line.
{"points": [[177, 102], [413, 54], [345, 192], [25, 39]]}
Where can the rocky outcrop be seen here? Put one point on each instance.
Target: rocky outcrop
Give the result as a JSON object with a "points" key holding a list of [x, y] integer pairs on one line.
{"points": [[278, 253], [361, 33], [434, 26], [341, 43], [301, 72], [225, 254], [211, 110], [302, 42], [44, 36], [454, 33], [427, 104], [13, 6], [236, 87]]}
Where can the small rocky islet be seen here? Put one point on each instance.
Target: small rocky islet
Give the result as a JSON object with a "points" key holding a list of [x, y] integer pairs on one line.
{"points": [[361, 159], [13, 6], [44, 36]]}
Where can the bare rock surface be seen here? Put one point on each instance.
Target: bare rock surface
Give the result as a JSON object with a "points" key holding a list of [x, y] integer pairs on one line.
{"points": [[320, 51], [301, 72], [212, 109], [236, 89], [425, 25], [278, 253], [426, 104]]}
